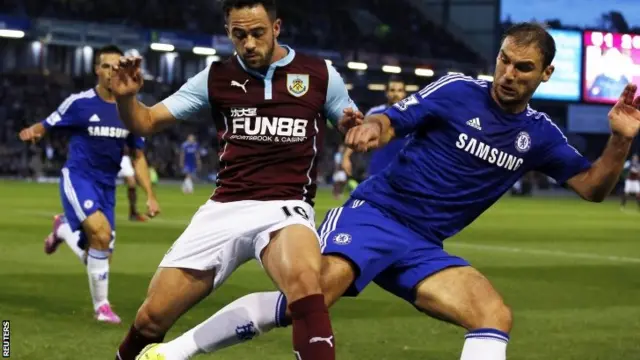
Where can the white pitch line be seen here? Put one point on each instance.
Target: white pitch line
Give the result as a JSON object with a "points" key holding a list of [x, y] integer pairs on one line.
{"points": [[545, 252]]}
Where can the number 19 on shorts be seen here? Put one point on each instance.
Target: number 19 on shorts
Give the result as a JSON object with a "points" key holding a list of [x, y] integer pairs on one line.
{"points": [[296, 209]]}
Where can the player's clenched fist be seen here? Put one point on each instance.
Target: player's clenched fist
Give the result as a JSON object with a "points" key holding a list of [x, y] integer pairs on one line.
{"points": [[363, 137], [31, 134], [126, 76]]}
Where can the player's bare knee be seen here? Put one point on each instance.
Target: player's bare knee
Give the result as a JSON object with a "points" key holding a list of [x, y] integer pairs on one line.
{"points": [[302, 283], [491, 312], [101, 238], [503, 316]]}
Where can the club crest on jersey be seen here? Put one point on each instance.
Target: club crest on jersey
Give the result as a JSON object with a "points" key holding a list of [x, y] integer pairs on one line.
{"points": [[297, 84], [88, 204], [523, 142], [342, 239]]}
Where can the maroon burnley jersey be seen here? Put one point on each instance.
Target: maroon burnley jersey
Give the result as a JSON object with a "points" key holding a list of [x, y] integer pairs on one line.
{"points": [[271, 126]]}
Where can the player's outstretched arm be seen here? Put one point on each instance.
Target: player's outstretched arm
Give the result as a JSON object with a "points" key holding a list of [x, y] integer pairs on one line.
{"points": [[596, 183], [65, 115], [142, 175], [33, 133]]}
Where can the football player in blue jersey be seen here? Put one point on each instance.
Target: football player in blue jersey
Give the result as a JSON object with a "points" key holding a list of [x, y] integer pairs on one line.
{"points": [[88, 182], [189, 162], [383, 156], [470, 141]]}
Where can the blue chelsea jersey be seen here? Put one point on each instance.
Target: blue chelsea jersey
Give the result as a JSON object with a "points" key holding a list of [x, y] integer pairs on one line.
{"points": [[97, 136], [190, 151], [464, 152]]}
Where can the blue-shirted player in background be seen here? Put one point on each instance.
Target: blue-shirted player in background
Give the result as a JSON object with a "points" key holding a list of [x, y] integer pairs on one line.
{"points": [[383, 156], [189, 162], [470, 141], [88, 181]]}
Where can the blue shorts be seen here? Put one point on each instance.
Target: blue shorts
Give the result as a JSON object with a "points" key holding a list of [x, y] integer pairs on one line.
{"points": [[383, 250], [82, 197], [189, 169]]}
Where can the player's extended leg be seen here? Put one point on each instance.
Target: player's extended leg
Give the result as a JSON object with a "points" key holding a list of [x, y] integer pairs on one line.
{"points": [[62, 232], [255, 314], [368, 254], [293, 260], [463, 296], [171, 293], [89, 206], [96, 229]]}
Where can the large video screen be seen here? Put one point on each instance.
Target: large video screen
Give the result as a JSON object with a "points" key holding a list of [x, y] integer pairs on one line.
{"points": [[611, 61], [565, 82]]}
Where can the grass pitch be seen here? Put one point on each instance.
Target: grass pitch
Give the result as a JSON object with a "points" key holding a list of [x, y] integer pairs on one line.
{"points": [[569, 269]]}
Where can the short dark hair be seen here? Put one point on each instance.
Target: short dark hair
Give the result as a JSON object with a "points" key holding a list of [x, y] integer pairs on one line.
{"points": [[108, 49], [395, 78], [269, 6], [528, 33]]}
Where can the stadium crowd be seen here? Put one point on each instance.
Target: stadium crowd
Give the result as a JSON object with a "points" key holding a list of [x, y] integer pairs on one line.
{"points": [[361, 19]]}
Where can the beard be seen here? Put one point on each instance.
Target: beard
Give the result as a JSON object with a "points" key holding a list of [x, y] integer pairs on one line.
{"points": [[272, 48], [265, 62]]}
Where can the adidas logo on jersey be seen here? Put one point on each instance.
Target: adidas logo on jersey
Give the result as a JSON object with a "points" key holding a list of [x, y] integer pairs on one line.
{"points": [[475, 123], [94, 118]]}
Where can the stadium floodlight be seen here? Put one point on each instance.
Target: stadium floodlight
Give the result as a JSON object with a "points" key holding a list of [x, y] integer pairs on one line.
{"points": [[392, 69], [454, 73], [348, 86], [329, 62], [14, 34], [356, 65], [411, 88], [207, 51], [377, 87], [162, 47], [485, 77], [424, 72]]}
